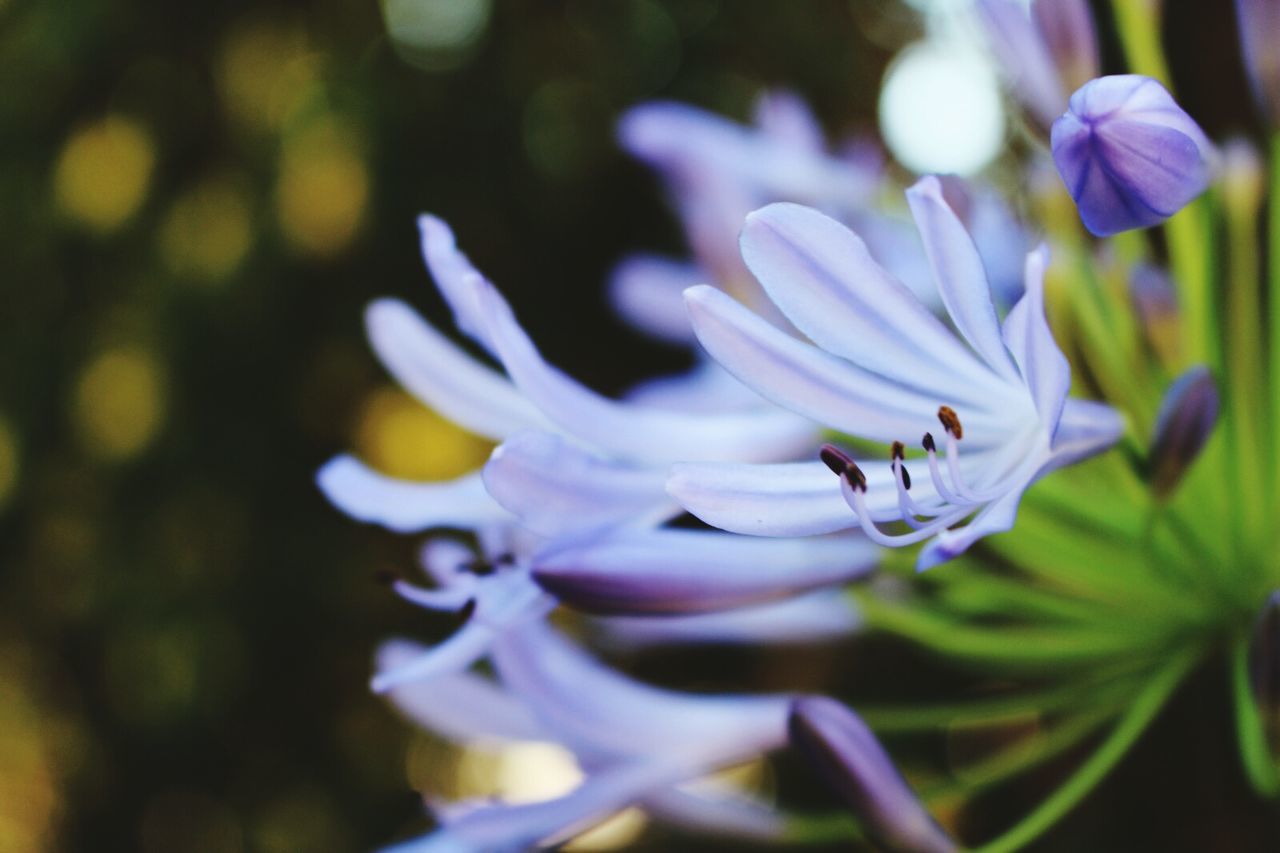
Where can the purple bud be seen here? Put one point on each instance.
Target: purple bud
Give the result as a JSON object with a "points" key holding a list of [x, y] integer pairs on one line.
{"points": [[1156, 304], [1129, 155], [1067, 29], [848, 755], [1187, 416], [1259, 22]]}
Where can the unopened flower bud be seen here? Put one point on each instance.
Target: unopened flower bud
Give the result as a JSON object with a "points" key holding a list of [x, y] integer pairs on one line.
{"points": [[1187, 416], [851, 759], [1129, 155], [1264, 668], [1155, 302]]}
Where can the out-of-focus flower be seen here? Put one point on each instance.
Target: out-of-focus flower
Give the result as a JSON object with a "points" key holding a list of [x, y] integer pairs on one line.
{"points": [[1129, 155], [1259, 21], [636, 743], [855, 764], [883, 369], [1045, 54]]}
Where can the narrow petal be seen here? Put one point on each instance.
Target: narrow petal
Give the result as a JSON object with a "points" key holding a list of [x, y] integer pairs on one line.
{"points": [[1024, 58], [630, 431], [815, 617], [996, 517], [450, 269], [959, 273], [724, 814], [590, 706], [441, 375], [1026, 331], [646, 292], [707, 387], [1086, 428], [804, 379], [1067, 29], [784, 117], [555, 488], [821, 276], [466, 646], [691, 571], [403, 506], [855, 764], [460, 706]]}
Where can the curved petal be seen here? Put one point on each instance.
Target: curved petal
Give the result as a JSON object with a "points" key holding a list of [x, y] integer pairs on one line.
{"points": [[1026, 331], [646, 292], [403, 506], [806, 380], [450, 269], [555, 488], [629, 431], [996, 517], [959, 273], [822, 277], [724, 813], [691, 571], [441, 375]]}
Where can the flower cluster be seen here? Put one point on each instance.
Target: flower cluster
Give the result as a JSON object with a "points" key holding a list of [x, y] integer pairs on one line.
{"points": [[869, 378]]}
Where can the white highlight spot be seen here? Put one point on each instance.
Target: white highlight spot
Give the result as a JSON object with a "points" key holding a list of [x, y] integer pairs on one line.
{"points": [[940, 109]]}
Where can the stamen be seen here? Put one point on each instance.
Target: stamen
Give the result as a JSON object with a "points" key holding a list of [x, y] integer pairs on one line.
{"points": [[957, 479], [944, 491], [857, 499], [835, 459], [950, 421]]}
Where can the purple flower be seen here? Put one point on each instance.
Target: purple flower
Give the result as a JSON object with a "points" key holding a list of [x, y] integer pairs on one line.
{"points": [[1129, 155], [885, 369], [846, 752]]}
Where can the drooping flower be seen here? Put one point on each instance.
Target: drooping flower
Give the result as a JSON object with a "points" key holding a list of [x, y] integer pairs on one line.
{"points": [[881, 367], [1129, 155]]}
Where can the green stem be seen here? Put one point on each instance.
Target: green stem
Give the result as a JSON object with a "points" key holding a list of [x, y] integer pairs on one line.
{"points": [[1250, 734], [1273, 300], [1086, 778], [1138, 23]]}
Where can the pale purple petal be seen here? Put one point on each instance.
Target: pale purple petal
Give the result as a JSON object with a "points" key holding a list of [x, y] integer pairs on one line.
{"points": [[959, 273], [437, 372], [823, 278], [814, 617], [404, 506], [784, 117], [646, 292], [1024, 57], [707, 387], [690, 571], [1086, 429], [554, 487], [630, 431], [454, 655], [996, 517], [1259, 21], [460, 706], [716, 813], [1026, 331], [450, 269], [1066, 26]]}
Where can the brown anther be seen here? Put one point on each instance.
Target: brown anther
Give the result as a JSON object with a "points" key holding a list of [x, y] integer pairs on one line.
{"points": [[906, 477], [928, 442], [835, 459], [950, 421], [467, 611], [899, 451], [857, 479]]}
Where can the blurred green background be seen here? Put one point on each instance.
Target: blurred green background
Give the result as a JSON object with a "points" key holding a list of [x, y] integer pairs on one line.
{"points": [[200, 199]]}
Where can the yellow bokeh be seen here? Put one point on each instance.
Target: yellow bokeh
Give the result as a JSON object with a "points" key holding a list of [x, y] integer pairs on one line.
{"points": [[323, 187], [28, 774], [208, 231], [9, 463], [400, 437], [103, 173], [265, 72], [120, 402]]}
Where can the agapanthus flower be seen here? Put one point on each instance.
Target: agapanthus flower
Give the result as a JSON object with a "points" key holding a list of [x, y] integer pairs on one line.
{"points": [[1129, 155], [883, 368]]}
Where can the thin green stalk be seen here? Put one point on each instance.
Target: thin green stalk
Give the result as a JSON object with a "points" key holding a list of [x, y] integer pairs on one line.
{"points": [[1250, 734], [1130, 727], [1273, 300], [1138, 23]]}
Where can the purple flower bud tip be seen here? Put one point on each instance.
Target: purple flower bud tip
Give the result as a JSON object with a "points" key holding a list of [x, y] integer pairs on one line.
{"points": [[1264, 663], [1129, 155], [1187, 416], [845, 751]]}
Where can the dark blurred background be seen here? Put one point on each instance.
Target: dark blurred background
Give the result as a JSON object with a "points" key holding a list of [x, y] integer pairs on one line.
{"points": [[200, 199]]}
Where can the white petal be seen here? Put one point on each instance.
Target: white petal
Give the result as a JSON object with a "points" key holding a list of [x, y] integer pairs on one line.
{"points": [[684, 571], [959, 273], [823, 278], [804, 379], [441, 375], [466, 646], [996, 517], [450, 269], [630, 431], [1043, 366], [554, 487], [646, 292], [404, 506], [816, 617], [707, 388], [724, 814], [461, 706]]}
